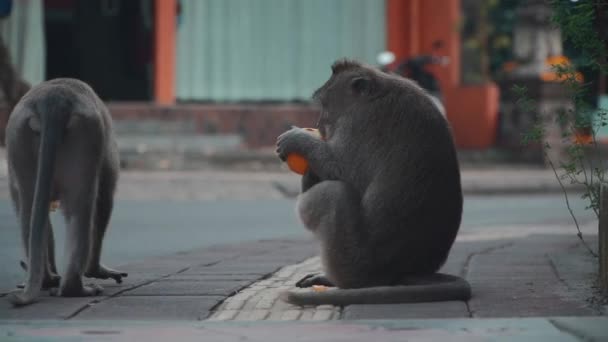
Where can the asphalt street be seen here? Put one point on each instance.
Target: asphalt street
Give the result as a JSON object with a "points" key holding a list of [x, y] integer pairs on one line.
{"points": [[144, 228]]}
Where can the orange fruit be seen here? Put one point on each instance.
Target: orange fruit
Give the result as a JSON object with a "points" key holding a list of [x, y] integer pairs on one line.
{"points": [[297, 163], [319, 288]]}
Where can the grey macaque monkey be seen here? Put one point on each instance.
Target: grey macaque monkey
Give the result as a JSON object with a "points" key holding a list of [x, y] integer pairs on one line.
{"points": [[382, 194], [61, 147]]}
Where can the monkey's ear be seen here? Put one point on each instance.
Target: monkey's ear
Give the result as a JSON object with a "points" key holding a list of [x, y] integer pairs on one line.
{"points": [[361, 85]]}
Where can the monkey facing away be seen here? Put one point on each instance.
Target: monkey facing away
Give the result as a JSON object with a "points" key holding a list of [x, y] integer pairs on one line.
{"points": [[382, 193], [61, 147]]}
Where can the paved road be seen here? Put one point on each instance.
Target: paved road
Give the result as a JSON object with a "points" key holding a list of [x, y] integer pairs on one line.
{"points": [[144, 228]]}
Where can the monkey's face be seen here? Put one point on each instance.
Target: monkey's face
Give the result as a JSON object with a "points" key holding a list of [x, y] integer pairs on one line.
{"points": [[350, 90]]}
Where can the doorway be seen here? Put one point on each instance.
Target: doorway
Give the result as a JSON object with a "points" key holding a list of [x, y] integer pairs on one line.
{"points": [[105, 43]]}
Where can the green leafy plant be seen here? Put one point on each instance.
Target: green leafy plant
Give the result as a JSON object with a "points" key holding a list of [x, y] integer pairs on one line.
{"points": [[486, 31], [583, 164]]}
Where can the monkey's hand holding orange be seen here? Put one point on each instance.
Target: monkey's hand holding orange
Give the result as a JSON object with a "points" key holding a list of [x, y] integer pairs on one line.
{"points": [[295, 161], [304, 149]]}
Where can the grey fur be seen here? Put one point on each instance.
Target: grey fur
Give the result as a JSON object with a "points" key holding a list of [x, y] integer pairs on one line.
{"points": [[60, 146], [383, 193]]}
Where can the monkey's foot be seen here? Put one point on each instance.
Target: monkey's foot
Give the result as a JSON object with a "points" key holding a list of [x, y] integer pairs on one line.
{"points": [[102, 272], [314, 279], [20, 298], [89, 290]]}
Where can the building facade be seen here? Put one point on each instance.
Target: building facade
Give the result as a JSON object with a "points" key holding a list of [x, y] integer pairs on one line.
{"points": [[218, 55]]}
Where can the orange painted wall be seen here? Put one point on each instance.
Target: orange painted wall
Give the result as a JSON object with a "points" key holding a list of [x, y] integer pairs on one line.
{"points": [[442, 25], [164, 51], [474, 118], [413, 26], [403, 27]]}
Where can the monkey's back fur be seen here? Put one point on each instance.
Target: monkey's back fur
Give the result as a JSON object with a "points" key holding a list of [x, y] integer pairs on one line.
{"points": [[383, 194]]}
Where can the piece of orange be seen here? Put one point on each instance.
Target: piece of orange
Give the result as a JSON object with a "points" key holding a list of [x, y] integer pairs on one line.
{"points": [[319, 288], [297, 163]]}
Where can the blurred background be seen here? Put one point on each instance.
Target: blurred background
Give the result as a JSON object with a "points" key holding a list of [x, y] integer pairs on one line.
{"points": [[186, 79], [200, 89]]}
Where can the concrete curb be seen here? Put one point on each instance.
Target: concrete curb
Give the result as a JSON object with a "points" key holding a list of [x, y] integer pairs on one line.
{"points": [[486, 180], [566, 329], [493, 181]]}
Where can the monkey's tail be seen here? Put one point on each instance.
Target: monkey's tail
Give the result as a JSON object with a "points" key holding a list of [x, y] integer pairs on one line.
{"points": [[450, 289], [52, 128]]}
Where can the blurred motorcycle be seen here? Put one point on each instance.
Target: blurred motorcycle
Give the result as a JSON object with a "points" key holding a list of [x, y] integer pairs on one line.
{"points": [[414, 69]]}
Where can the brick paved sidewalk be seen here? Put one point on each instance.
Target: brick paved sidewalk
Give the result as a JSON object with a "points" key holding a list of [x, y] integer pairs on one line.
{"points": [[517, 276], [540, 272], [181, 286], [260, 301]]}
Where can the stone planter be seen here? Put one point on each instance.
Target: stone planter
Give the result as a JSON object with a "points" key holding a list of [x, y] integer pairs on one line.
{"points": [[550, 98]]}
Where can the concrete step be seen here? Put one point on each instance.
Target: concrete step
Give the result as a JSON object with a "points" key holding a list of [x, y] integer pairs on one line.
{"points": [[567, 329]]}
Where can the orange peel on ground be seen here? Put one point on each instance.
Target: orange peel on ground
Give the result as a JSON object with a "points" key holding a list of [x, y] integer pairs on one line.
{"points": [[319, 288]]}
